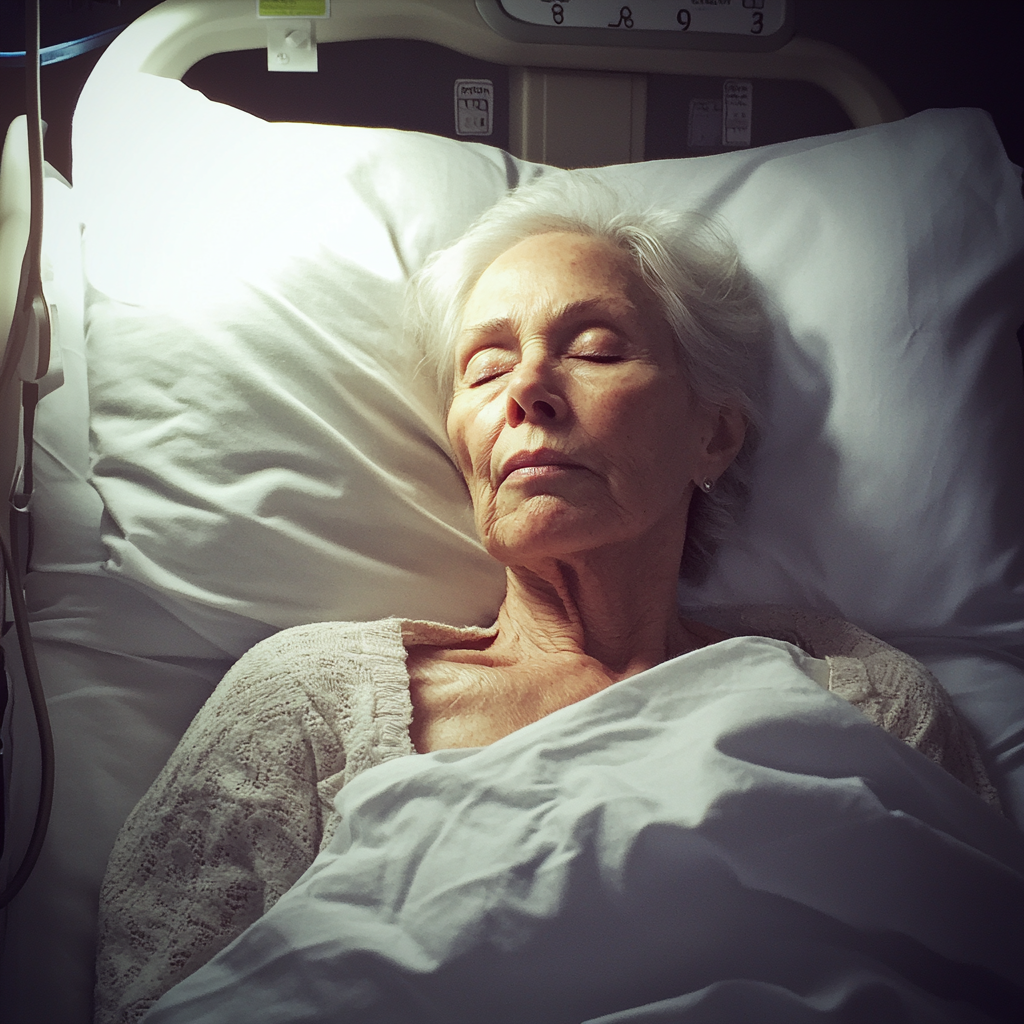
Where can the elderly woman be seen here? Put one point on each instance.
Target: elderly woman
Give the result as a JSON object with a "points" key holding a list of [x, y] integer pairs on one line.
{"points": [[600, 369]]}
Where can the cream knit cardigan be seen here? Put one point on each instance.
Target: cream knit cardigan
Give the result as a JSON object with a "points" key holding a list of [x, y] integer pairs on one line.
{"points": [[246, 801]]}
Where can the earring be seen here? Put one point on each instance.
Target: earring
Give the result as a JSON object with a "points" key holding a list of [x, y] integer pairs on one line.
{"points": [[707, 486]]}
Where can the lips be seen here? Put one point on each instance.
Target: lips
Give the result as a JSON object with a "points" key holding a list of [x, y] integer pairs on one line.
{"points": [[525, 460]]}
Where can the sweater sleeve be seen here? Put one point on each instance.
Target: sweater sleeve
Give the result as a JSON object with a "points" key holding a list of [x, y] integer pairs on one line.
{"points": [[239, 811]]}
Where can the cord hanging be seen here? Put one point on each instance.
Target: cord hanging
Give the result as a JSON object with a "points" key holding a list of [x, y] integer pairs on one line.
{"points": [[14, 562]]}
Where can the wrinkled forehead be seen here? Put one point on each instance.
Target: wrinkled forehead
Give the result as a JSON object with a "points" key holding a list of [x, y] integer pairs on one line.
{"points": [[551, 271]]}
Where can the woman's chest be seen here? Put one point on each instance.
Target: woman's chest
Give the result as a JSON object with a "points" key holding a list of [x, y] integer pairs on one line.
{"points": [[460, 699]]}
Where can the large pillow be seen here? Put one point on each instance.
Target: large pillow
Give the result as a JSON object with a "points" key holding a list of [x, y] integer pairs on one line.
{"points": [[264, 448], [890, 487], [267, 456]]}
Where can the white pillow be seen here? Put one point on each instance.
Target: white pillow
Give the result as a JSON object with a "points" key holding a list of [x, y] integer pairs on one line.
{"points": [[265, 452], [889, 489], [266, 456]]}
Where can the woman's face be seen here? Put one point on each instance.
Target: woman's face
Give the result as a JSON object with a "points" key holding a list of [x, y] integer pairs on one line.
{"points": [[571, 420]]}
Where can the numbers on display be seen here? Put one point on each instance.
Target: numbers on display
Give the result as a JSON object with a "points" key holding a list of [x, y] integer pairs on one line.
{"points": [[625, 19], [762, 22]]}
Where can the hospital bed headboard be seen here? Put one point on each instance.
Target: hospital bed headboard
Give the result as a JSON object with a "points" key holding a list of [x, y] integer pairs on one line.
{"points": [[588, 112]]}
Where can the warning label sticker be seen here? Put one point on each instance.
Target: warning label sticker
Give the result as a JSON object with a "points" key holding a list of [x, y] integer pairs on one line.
{"points": [[738, 103], [474, 106]]}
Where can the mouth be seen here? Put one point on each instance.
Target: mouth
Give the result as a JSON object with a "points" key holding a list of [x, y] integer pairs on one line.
{"points": [[535, 463]]}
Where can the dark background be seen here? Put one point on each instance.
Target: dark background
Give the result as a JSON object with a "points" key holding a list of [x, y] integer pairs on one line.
{"points": [[931, 53]]}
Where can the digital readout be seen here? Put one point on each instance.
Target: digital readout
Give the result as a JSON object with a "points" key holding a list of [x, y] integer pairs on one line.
{"points": [[724, 17]]}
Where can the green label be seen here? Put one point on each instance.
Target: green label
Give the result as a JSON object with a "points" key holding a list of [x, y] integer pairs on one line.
{"points": [[293, 8]]}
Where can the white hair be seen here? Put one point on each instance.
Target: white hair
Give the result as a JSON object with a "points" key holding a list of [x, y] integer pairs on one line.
{"points": [[691, 266]]}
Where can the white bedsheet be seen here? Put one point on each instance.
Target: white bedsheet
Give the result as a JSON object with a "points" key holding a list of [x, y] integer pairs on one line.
{"points": [[716, 839]]}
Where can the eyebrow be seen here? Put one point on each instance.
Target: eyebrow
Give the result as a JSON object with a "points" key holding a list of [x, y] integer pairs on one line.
{"points": [[570, 311]]}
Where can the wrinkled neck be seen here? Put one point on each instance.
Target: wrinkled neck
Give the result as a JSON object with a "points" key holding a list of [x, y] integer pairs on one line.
{"points": [[621, 613]]}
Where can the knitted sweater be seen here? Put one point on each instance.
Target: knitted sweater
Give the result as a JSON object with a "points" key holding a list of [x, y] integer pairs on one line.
{"points": [[246, 801]]}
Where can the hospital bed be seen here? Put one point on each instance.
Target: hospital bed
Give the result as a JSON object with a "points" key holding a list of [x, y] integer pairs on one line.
{"points": [[232, 438]]}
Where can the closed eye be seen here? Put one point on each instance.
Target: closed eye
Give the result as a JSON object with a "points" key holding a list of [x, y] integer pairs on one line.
{"points": [[486, 378], [596, 343], [487, 365]]}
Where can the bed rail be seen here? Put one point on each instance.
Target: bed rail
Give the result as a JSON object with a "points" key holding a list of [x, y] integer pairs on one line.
{"points": [[170, 38]]}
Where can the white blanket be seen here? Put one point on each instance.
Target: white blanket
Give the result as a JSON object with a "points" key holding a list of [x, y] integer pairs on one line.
{"points": [[716, 839]]}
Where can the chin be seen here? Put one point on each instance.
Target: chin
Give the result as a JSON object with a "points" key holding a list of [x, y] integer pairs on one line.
{"points": [[544, 529]]}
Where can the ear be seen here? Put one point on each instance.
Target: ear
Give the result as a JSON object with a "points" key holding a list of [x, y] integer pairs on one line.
{"points": [[726, 428]]}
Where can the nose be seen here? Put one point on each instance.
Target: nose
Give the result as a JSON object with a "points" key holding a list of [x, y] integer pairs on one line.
{"points": [[532, 396]]}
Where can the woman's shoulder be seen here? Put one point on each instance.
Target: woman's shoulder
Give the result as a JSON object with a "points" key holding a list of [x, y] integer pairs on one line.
{"points": [[892, 689], [318, 668], [332, 668]]}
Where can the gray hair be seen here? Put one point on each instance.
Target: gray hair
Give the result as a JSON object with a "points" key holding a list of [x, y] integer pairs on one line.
{"points": [[709, 301]]}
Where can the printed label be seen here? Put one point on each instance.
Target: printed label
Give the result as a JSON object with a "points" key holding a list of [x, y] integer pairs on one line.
{"points": [[293, 8], [705, 124], [474, 106], [738, 105]]}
